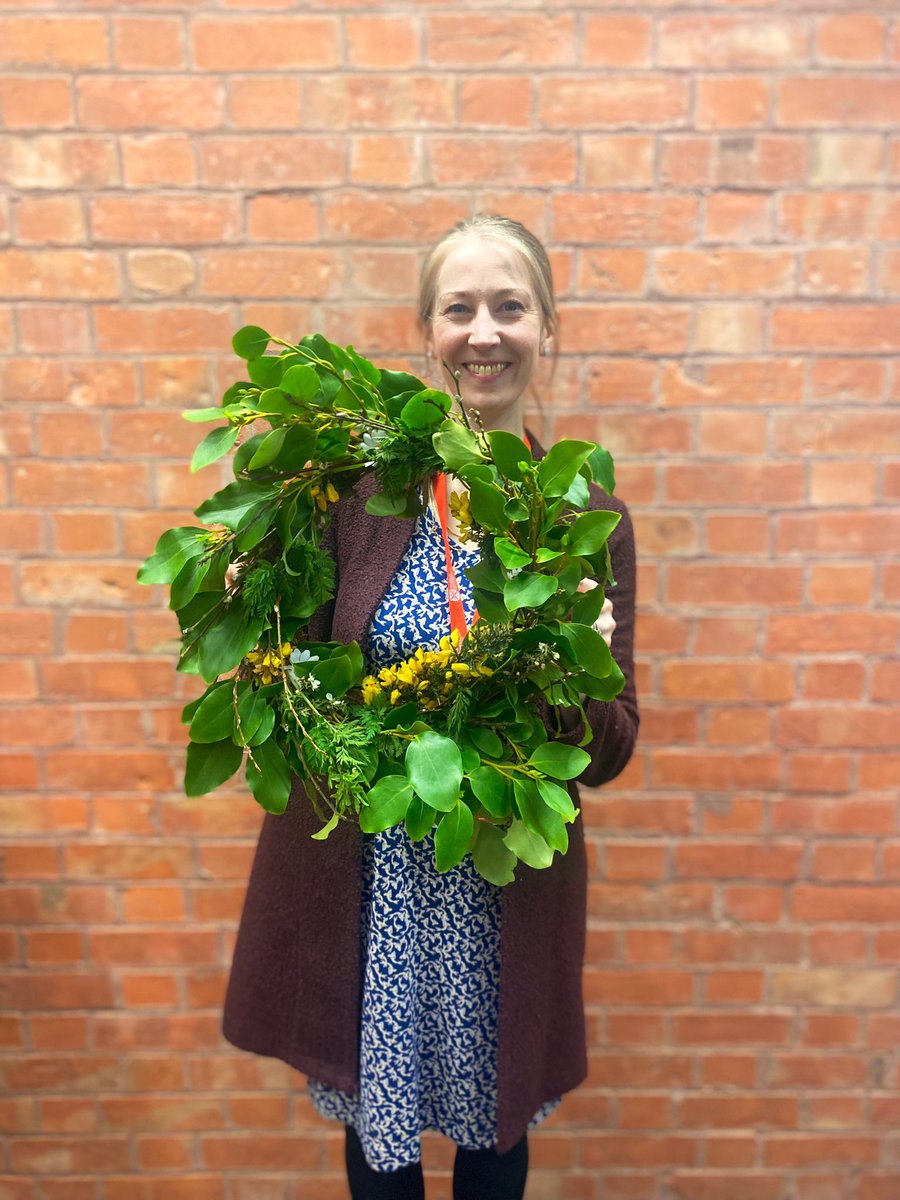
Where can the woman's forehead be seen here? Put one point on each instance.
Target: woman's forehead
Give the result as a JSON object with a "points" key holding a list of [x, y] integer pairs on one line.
{"points": [[478, 265]]}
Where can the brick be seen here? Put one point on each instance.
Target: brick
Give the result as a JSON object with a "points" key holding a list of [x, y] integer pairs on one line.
{"points": [[163, 160], [53, 41], [239, 1151], [181, 220], [40, 102], [724, 327], [819, 634], [272, 43], [707, 1185], [161, 272], [268, 272], [841, 159], [823, 987], [282, 218], [737, 217], [541, 160], [382, 43], [268, 102], [362, 100], [274, 161], [736, 272], [735, 102], [788, 1150], [738, 860], [71, 434], [141, 1113], [134, 102], [616, 41], [537, 40], [391, 218], [51, 161], [843, 482], [148, 43], [172, 329], [496, 101], [58, 275], [633, 218], [638, 328], [724, 42], [54, 329], [57, 990], [618, 162], [841, 100], [567, 102], [831, 431]]}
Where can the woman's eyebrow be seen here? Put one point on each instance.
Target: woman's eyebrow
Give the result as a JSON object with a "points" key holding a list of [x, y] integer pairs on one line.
{"points": [[509, 291]]}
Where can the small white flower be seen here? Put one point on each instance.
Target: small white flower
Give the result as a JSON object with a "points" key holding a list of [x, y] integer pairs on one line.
{"points": [[313, 682], [303, 656], [512, 572]]}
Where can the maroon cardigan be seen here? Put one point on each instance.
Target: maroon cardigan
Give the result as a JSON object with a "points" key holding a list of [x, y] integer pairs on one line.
{"points": [[296, 982]]}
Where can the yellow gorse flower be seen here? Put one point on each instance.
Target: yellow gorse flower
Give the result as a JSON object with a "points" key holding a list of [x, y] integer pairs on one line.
{"points": [[461, 511], [268, 665], [428, 677], [324, 495]]}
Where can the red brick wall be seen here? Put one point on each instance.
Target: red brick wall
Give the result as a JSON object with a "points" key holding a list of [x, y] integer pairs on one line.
{"points": [[719, 188]]}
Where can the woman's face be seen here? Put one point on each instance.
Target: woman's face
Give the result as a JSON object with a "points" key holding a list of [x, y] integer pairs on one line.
{"points": [[487, 325]]}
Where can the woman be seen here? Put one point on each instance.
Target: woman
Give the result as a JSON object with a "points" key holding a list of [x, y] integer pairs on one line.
{"points": [[415, 1000]]}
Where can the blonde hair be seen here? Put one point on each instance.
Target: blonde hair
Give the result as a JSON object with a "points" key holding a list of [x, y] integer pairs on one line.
{"points": [[496, 229]]}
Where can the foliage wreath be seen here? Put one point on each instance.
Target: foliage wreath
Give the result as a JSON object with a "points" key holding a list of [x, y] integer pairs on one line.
{"points": [[453, 737]]}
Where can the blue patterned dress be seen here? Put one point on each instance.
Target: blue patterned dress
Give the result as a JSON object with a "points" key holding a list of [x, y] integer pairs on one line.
{"points": [[431, 941]]}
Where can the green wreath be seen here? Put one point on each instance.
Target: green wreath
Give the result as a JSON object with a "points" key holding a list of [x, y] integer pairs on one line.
{"points": [[453, 737]]}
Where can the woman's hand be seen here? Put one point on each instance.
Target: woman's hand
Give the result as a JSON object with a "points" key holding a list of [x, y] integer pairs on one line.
{"points": [[605, 624]]}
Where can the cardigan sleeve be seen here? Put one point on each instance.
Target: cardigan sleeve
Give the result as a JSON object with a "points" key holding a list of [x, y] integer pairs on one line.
{"points": [[614, 723]]}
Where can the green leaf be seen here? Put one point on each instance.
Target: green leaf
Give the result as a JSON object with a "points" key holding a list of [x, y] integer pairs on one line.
{"points": [[251, 709], [528, 590], [516, 509], [188, 581], [490, 607], [545, 554], [530, 847], [426, 408], [588, 605], [558, 468], [202, 414], [335, 676], [323, 833], [233, 504], [492, 790], [559, 761], [381, 505], [214, 719], [300, 382], [227, 641], [174, 548], [363, 367], [265, 728], [216, 444], [386, 804], [268, 448], [457, 446], [508, 451], [540, 819], [493, 859], [209, 764], [486, 740], [251, 535], [557, 798], [266, 372], [511, 555], [396, 383], [269, 776], [452, 836], [606, 688], [250, 342], [587, 648], [434, 765], [488, 504], [419, 819], [602, 469], [588, 533], [578, 495], [299, 447]]}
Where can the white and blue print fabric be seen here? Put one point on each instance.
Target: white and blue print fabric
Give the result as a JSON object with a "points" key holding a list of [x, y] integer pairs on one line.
{"points": [[431, 941]]}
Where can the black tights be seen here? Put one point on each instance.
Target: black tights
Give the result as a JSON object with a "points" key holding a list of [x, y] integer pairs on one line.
{"points": [[477, 1175]]}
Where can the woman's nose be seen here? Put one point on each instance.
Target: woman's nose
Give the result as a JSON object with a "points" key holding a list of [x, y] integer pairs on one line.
{"points": [[483, 331]]}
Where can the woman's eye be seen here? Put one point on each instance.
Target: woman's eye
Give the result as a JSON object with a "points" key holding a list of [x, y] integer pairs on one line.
{"points": [[513, 306], [453, 309]]}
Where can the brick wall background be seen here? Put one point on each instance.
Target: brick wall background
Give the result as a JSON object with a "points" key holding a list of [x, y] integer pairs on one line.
{"points": [[720, 187]]}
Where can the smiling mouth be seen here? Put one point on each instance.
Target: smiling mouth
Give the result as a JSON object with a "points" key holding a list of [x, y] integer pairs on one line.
{"points": [[485, 370]]}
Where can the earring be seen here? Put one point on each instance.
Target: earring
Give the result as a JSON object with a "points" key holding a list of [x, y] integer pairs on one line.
{"points": [[544, 346]]}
